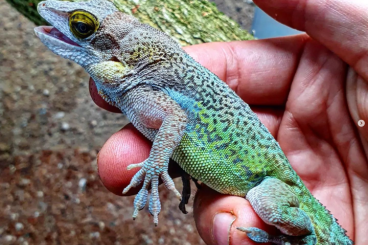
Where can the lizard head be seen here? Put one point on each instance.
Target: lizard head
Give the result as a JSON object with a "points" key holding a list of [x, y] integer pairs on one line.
{"points": [[76, 29], [107, 43]]}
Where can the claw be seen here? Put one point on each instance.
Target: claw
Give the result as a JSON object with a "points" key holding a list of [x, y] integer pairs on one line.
{"points": [[154, 203], [178, 195], [169, 183], [155, 220], [137, 165], [136, 180], [126, 189], [140, 201], [256, 234], [135, 213]]}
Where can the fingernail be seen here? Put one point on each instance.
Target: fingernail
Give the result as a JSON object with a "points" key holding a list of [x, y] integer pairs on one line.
{"points": [[221, 228]]}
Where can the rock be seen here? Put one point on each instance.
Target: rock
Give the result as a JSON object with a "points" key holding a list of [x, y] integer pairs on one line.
{"points": [[59, 115], [4, 148], [65, 126], [46, 92], [19, 226], [101, 225], [82, 184], [36, 214], [9, 238], [24, 182], [94, 234], [94, 123], [39, 194]]}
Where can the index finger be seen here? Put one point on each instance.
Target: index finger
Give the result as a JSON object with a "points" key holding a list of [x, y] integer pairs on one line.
{"points": [[259, 71], [340, 25]]}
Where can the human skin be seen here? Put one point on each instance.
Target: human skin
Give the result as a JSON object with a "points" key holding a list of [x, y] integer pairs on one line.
{"points": [[309, 90]]}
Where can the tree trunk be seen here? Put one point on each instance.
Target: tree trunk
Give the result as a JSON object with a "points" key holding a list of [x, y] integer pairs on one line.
{"points": [[188, 21]]}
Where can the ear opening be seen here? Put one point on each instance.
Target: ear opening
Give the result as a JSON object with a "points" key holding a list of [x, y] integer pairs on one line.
{"points": [[114, 59]]}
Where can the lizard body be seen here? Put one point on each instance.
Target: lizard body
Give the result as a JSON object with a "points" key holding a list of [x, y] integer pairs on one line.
{"points": [[190, 115]]}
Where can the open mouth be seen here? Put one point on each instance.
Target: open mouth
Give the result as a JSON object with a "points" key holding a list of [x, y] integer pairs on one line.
{"points": [[54, 33]]}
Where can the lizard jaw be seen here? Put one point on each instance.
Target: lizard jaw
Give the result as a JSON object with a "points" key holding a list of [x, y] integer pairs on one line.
{"points": [[63, 46], [53, 36]]}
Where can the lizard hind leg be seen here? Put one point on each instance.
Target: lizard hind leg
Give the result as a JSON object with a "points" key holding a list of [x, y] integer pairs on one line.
{"points": [[150, 175], [277, 205]]}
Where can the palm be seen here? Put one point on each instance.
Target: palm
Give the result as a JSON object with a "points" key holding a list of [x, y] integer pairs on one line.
{"points": [[309, 95], [306, 110]]}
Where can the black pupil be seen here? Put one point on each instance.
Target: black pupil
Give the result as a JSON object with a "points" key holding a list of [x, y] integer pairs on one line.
{"points": [[82, 27]]}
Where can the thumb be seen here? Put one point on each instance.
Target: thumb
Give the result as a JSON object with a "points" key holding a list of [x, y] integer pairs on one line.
{"points": [[217, 216]]}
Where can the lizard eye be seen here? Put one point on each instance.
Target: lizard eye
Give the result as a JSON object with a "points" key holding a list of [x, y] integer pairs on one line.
{"points": [[83, 24]]}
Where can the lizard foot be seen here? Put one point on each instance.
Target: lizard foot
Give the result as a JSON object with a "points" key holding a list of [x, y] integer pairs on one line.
{"points": [[149, 174], [256, 235], [260, 236], [277, 205]]}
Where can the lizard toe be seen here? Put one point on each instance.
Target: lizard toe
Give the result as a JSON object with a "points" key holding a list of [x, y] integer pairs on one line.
{"points": [[140, 201], [136, 180], [154, 203]]}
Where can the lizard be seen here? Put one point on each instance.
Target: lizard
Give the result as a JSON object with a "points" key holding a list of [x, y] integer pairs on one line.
{"points": [[191, 116]]}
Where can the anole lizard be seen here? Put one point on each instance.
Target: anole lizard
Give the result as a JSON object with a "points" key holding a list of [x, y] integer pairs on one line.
{"points": [[190, 115]]}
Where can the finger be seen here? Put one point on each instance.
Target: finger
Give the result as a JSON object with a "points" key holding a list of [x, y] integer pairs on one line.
{"points": [[357, 97], [259, 71], [270, 117], [217, 216], [340, 25], [99, 100], [123, 148]]}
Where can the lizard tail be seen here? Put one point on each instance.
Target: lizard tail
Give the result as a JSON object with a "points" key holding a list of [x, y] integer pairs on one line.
{"points": [[327, 229]]}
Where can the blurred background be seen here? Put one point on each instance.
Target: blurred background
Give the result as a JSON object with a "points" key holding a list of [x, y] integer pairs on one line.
{"points": [[50, 134]]}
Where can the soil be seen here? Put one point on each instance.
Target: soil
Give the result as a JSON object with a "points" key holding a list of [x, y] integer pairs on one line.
{"points": [[50, 134]]}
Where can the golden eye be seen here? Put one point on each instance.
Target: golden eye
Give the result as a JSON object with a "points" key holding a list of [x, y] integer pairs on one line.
{"points": [[82, 24]]}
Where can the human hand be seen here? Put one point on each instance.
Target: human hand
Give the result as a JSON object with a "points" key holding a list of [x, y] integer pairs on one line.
{"points": [[309, 90]]}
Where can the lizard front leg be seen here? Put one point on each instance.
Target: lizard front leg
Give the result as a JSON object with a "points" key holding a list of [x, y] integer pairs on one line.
{"points": [[150, 109]]}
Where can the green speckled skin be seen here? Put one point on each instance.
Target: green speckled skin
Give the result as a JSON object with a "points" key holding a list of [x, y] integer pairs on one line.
{"points": [[192, 117], [225, 145]]}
